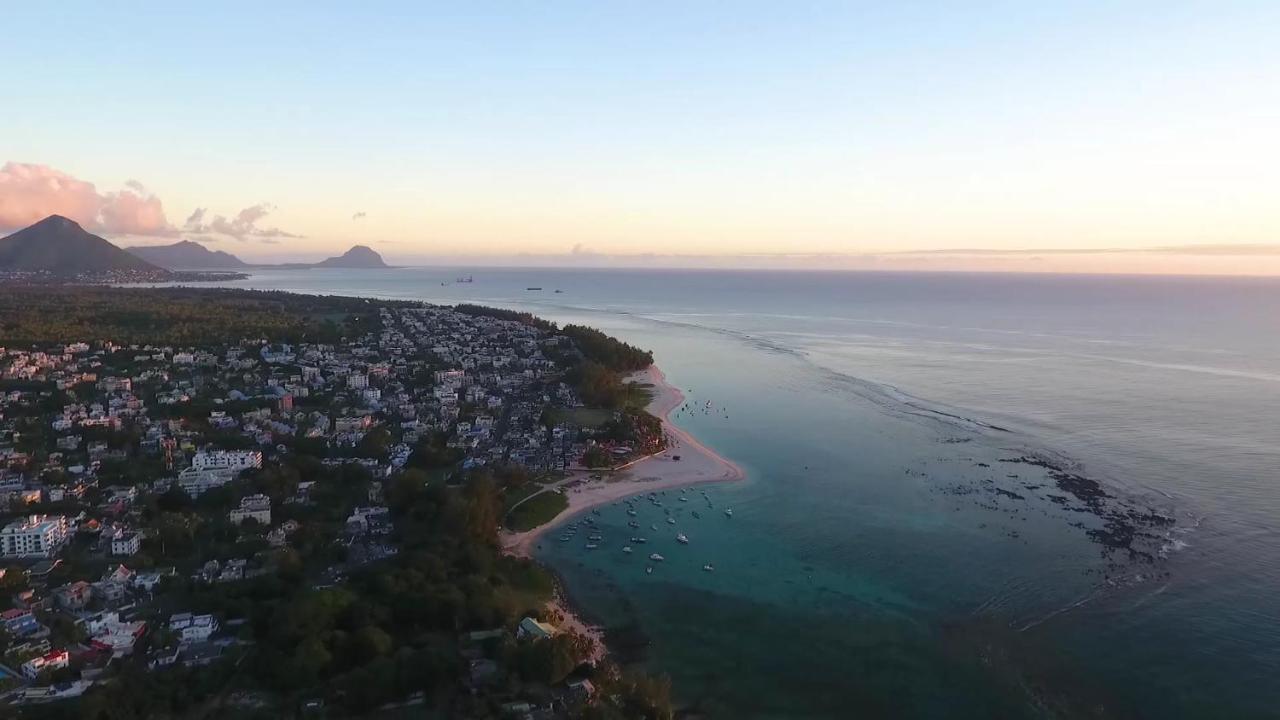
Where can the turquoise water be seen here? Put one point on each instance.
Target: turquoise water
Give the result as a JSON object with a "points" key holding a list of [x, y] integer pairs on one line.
{"points": [[887, 555]]}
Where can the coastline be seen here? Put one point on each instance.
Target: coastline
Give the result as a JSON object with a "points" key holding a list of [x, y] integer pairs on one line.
{"points": [[661, 471], [698, 464]]}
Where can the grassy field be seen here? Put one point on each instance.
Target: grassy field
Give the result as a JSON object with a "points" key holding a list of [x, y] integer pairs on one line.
{"points": [[539, 510], [515, 495]]}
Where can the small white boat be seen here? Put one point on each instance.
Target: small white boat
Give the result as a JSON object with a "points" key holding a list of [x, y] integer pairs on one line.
{"points": [[639, 540], [680, 538], [709, 567], [632, 513], [653, 526], [648, 570], [656, 557], [728, 512], [671, 521], [592, 546], [596, 538], [627, 549], [684, 499]]}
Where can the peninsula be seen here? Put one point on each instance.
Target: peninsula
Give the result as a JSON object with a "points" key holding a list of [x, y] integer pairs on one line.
{"points": [[228, 499]]}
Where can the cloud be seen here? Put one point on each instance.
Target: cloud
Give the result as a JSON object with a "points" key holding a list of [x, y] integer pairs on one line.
{"points": [[241, 227], [1225, 249], [360, 215], [30, 192], [1239, 249]]}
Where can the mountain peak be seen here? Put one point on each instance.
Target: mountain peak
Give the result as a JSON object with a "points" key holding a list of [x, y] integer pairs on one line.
{"points": [[359, 256], [57, 221], [59, 245], [187, 255]]}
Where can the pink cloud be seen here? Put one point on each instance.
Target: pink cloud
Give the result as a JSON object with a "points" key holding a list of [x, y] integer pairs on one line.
{"points": [[31, 192], [243, 226]]}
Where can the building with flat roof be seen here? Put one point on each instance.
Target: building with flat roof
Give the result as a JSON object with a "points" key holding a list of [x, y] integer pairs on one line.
{"points": [[34, 536], [257, 507], [227, 459]]}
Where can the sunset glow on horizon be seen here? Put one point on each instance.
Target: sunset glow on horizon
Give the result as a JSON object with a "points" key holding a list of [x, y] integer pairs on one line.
{"points": [[834, 135]]}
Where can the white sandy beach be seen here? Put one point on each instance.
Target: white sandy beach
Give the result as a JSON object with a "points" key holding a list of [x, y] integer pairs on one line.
{"points": [[697, 464]]}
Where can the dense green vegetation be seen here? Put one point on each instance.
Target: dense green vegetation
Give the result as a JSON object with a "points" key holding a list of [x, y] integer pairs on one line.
{"points": [[607, 351], [583, 417], [502, 314], [175, 316], [604, 387]]}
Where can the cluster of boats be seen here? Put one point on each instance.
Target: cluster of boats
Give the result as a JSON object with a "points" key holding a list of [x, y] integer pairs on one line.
{"points": [[595, 539]]}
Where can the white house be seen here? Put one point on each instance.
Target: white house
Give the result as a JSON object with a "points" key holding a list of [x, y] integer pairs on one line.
{"points": [[193, 628], [236, 460], [52, 661], [196, 482], [126, 542], [257, 507], [36, 536]]}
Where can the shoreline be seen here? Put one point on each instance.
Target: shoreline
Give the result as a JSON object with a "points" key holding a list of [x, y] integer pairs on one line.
{"points": [[698, 464]]}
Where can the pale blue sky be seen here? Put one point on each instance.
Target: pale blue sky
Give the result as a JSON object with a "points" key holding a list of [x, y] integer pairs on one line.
{"points": [[703, 128]]}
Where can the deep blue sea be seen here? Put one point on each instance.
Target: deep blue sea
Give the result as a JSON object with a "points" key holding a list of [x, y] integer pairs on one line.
{"points": [[969, 495]]}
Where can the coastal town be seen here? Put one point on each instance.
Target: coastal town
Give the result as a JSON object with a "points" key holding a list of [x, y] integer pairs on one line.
{"points": [[216, 514]]}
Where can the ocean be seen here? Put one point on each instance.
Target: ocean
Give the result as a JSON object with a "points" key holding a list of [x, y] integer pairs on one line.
{"points": [[968, 495]]}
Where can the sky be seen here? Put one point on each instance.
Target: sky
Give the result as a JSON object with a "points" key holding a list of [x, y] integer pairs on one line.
{"points": [[1093, 137]]}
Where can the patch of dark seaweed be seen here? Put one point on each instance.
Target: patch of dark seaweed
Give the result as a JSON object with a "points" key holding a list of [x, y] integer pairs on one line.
{"points": [[1123, 526]]}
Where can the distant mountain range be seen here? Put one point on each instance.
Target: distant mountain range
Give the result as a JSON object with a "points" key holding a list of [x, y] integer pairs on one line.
{"points": [[59, 246], [188, 255]]}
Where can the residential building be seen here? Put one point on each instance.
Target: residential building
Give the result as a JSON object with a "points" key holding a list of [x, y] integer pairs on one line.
{"points": [[126, 542], [257, 507], [195, 482], [193, 628], [20, 622], [531, 628], [236, 460], [52, 661], [35, 536], [73, 596]]}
